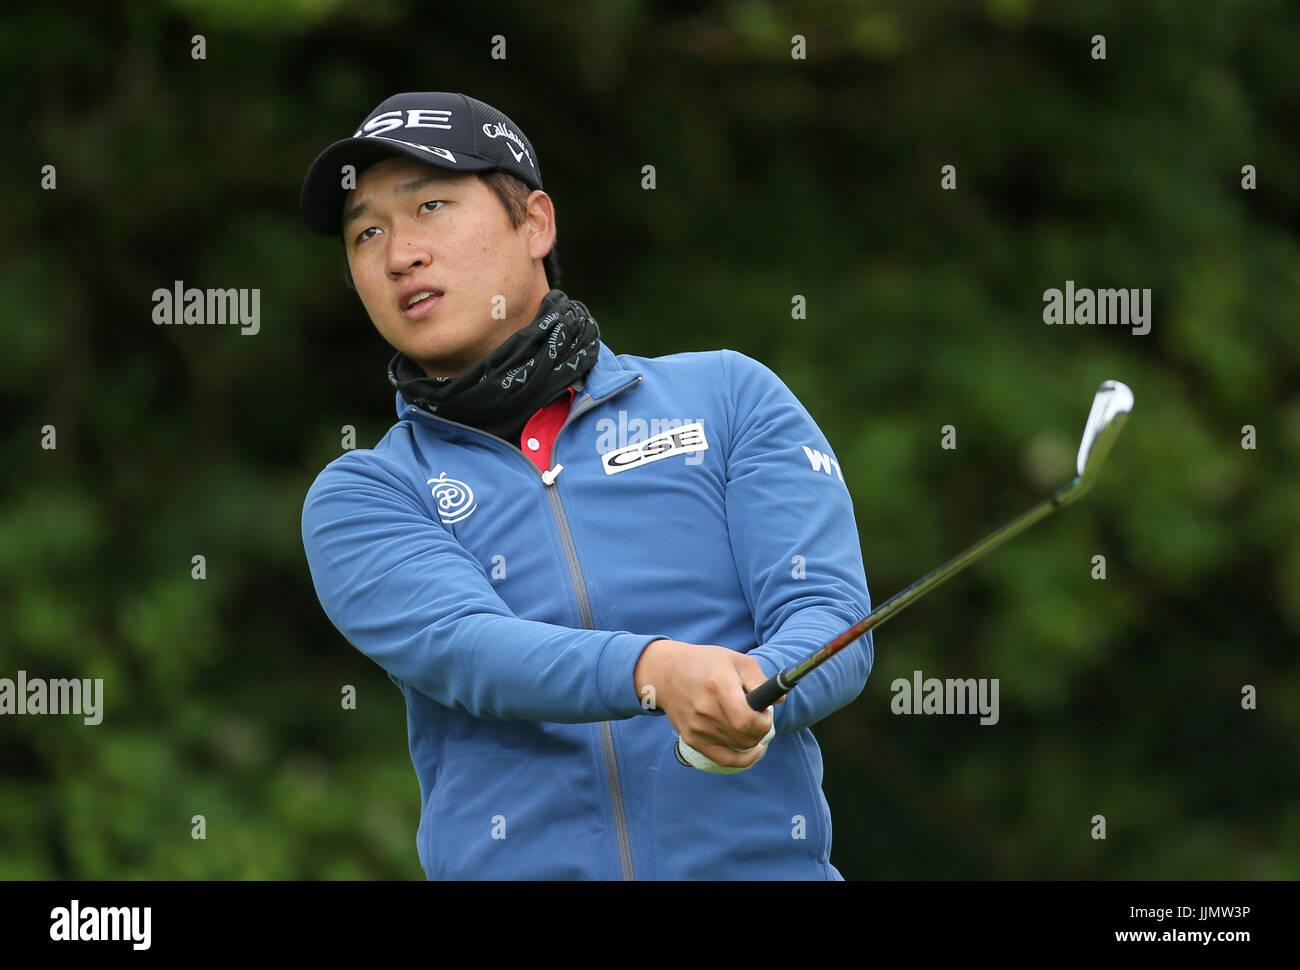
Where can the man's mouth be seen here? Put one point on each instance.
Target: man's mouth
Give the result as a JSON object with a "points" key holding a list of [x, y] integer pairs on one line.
{"points": [[420, 303]]}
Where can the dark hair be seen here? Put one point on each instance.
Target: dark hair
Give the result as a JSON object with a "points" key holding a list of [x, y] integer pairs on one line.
{"points": [[513, 193]]}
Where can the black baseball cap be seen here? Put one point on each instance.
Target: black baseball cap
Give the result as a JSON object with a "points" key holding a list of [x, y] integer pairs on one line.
{"points": [[451, 131]]}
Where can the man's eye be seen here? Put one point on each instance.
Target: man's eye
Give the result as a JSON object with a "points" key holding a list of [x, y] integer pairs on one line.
{"points": [[362, 236]]}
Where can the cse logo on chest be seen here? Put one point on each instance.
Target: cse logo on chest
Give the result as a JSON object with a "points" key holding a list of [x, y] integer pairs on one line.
{"points": [[675, 441]]}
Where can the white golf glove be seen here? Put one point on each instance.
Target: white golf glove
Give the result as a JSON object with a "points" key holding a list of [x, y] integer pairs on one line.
{"points": [[693, 759]]}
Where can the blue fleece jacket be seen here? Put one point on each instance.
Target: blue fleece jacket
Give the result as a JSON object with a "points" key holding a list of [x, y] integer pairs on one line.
{"points": [[510, 607]]}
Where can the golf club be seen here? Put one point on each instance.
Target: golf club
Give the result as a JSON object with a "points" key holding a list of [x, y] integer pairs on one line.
{"points": [[1110, 409]]}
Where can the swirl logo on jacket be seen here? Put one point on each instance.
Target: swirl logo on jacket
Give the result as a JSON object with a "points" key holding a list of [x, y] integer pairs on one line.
{"points": [[455, 499]]}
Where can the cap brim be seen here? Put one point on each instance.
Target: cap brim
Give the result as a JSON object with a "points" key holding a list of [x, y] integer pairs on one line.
{"points": [[322, 190]]}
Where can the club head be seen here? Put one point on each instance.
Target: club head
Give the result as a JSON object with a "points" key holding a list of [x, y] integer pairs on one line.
{"points": [[1110, 409]]}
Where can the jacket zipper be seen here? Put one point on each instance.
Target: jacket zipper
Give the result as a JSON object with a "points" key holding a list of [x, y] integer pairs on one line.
{"points": [[584, 603]]}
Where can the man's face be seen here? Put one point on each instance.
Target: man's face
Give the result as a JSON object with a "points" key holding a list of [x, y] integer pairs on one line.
{"points": [[409, 228]]}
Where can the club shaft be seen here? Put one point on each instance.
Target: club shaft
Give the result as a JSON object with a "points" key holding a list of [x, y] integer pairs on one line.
{"points": [[769, 692]]}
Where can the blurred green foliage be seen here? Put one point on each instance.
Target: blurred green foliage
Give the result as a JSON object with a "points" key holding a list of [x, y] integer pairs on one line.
{"points": [[776, 177]]}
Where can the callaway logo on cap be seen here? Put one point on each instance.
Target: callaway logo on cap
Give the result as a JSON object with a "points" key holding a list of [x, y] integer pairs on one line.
{"points": [[452, 131]]}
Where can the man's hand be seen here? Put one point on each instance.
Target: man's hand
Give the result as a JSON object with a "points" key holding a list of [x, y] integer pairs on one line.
{"points": [[701, 688]]}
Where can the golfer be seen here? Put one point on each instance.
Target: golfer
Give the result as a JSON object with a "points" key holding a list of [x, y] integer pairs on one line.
{"points": [[566, 558]]}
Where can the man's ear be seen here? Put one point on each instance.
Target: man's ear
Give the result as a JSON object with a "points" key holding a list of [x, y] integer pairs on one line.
{"points": [[540, 220]]}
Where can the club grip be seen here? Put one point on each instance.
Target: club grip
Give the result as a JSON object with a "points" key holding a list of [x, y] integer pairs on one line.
{"points": [[766, 694]]}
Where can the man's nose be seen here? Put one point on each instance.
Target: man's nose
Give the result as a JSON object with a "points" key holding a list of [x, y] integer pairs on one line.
{"points": [[406, 252]]}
